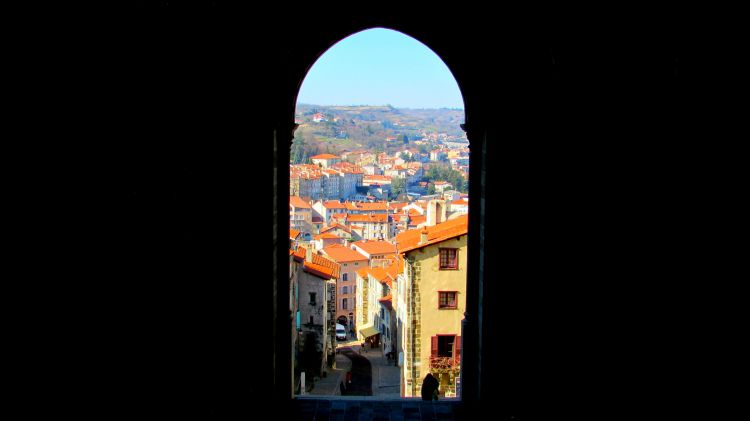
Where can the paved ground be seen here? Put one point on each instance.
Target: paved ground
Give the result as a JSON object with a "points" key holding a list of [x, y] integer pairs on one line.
{"points": [[361, 377], [371, 374], [386, 376]]}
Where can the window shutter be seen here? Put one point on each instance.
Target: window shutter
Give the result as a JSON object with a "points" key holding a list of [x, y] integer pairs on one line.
{"points": [[434, 346], [457, 345]]}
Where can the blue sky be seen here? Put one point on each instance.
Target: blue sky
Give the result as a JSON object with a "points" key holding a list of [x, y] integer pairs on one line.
{"points": [[378, 67]]}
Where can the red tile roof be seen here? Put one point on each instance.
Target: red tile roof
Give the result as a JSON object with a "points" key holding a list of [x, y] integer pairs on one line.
{"points": [[297, 202], [364, 272], [320, 266], [367, 206], [376, 247], [341, 254], [335, 226], [334, 204], [409, 240], [327, 236], [293, 233], [379, 273], [417, 219], [378, 218], [324, 156], [299, 254]]}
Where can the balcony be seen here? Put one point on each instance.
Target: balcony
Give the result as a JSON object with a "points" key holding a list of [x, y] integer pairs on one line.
{"points": [[445, 363]]}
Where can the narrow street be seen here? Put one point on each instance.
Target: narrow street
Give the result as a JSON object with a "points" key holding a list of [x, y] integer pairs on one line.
{"points": [[361, 382]]}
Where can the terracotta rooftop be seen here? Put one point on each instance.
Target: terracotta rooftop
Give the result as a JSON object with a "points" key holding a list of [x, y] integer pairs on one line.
{"points": [[297, 202], [379, 218], [341, 254], [364, 272], [376, 247], [335, 226], [333, 204], [417, 219], [365, 206], [324, 156], [327, 236], [409, 240], [320, 266]]}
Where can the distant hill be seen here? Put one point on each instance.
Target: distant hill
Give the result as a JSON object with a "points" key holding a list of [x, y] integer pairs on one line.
{"points": [[368, 127]]}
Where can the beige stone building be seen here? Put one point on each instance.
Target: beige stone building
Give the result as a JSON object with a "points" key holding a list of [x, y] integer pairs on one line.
{"points": [[430, 304]]}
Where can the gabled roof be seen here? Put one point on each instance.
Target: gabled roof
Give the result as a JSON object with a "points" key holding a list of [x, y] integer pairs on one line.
{"points": [[341, 254], [409, 240], [335, 225]]}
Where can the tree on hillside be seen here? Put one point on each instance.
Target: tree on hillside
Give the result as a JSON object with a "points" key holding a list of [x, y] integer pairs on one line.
{"points": [[298, 153], [441, 172], [398, 186]]}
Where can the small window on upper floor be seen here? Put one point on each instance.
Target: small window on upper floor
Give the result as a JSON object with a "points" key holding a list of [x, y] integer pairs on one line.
{"points": [[447, 299], [448, 259]]}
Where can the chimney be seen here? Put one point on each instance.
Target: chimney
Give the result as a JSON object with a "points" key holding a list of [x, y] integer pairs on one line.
{"points": [[423, 235], [309, 255]]}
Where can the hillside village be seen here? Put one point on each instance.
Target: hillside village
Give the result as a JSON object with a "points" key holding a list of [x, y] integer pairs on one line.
{"points": [[379, 248]]}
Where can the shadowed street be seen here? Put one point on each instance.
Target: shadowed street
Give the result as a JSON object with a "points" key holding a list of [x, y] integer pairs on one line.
{"points": [[361, 384]]}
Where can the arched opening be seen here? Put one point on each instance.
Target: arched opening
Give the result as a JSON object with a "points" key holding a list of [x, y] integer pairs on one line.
{"points": [[382, 179]]}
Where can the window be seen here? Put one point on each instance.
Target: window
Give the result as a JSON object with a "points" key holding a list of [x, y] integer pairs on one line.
{"points": [[448, 259], [345, 277], [345, 290], [312, 299], [311, 320], [445, 345], [447, 299], [344, 303]]}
